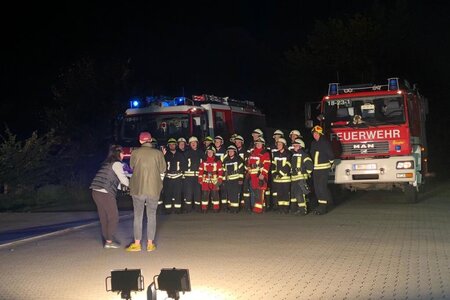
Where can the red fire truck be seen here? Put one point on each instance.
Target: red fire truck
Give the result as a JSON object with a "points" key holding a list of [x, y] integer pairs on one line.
{"points": [[203, 115], [378, 134]]}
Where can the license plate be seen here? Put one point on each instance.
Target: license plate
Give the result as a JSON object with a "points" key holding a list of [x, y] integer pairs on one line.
{"points": [[364, 167]]}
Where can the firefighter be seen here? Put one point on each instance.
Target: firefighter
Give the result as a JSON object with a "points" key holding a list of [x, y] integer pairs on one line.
{"points": [[258, 165], [276, 135], [173, 179], [207, 141], [210, 178], [181, 144], [281, 176], [293, 135], [220, 153], [270, 201], [239, 143], [191, 188], [233, 176], [323, 157], [301, 169]]}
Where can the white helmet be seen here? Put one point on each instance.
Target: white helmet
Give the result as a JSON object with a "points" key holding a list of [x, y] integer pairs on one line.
{"points": [[258, 131], [260, 140], [296, 132], [193, 139], [181, 139], [278, 132], [282, 140], [239, 138], [299, 142]]}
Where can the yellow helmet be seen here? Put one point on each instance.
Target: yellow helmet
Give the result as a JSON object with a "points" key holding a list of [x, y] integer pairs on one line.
{"points": [[317, 129], [171, 141]]}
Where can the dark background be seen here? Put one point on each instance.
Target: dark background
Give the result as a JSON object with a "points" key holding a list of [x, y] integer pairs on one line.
{"points": [[73, 67]]}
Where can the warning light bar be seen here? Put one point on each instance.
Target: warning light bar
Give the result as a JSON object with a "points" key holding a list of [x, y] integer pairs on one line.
{"points": [[393, 84]]}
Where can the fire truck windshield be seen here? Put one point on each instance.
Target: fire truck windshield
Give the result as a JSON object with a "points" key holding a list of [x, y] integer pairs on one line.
{"points": [[161, 126], [371, 111]]}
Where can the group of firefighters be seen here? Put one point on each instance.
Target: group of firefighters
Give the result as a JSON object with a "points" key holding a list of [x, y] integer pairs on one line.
{"points": [[231, 178]]}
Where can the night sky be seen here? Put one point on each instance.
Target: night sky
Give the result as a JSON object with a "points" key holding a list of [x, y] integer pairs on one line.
{"points": [[188, 47]]}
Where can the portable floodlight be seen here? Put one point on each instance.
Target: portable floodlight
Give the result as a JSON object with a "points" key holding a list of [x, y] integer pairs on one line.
{"points": [[173, 281], [125, 281]]}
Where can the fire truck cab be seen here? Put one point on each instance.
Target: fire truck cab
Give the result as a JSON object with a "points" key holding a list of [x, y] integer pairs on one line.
{"points": [[201, 116], [378, 135]]}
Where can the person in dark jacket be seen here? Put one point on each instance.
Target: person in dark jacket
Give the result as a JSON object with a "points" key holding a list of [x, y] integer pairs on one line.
{"points": [[104, 189], [173, 180], [323, 158], [191, 188]]}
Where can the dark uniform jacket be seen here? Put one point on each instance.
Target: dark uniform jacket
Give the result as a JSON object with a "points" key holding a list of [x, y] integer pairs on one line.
{"points": [[322, 154], [175, 164], [193, 160], [301, 165]]}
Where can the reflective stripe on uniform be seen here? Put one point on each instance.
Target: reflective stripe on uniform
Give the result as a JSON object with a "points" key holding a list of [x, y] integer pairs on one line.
{"points": [[321, 166]]}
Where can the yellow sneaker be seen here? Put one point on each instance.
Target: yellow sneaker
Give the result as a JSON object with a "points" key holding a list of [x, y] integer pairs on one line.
{"points": [[134, 247], [151, 247]]}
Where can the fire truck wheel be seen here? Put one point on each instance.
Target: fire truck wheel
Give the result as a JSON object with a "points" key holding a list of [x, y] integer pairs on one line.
{"points": [[411, 193]]}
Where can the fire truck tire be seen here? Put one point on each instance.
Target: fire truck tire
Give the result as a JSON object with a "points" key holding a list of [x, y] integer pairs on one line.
{"points": [[411, 193]]}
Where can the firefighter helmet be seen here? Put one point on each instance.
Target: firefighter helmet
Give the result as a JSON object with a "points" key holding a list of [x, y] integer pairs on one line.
{"points": [[181, 139], [208, 139], [238, 138], [218, 137], [210, 148], [193, 139], [258, 131], [317, 129], [296, 132], [233, 136], [282, 140], [299, 142], [260, 140], [278, 132], [171, 141], [232, 147], [154, 142]]}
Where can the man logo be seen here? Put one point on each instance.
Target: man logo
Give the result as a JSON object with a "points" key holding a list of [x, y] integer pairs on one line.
{"points": [[364, 146]]}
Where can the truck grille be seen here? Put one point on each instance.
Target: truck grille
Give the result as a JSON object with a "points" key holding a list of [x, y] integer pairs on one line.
{"points": [[365, 148]]}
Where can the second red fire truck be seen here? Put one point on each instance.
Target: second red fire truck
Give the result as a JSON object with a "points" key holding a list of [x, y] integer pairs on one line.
{"points": [[378, 134]]}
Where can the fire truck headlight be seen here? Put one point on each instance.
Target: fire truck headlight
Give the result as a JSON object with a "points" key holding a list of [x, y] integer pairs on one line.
{"points": [[405, 164]]}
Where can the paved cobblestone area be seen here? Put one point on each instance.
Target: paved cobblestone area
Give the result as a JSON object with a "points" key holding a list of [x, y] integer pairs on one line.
{"points": [[370, 247]]}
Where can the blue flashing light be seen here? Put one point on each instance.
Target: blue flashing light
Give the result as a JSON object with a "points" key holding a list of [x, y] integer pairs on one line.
{"points": [[393, 84], [398, 147], [165, 104], [135, 103], [333, 89], [180, 100]]}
